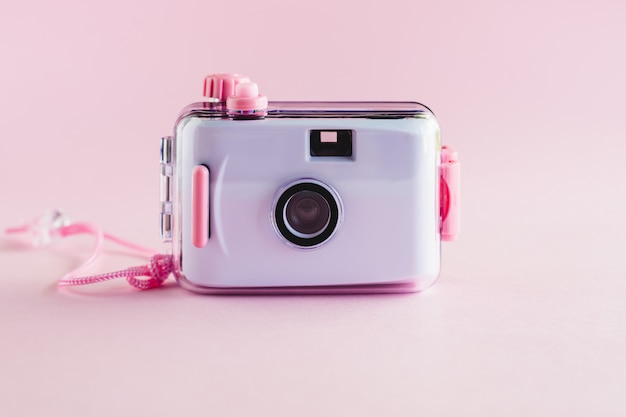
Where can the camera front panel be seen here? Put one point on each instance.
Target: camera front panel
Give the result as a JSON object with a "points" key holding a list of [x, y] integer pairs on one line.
{"points": [[307, 202]]}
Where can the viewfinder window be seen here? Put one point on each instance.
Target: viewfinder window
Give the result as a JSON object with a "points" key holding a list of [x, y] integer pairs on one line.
{"points": [[331, 143]]}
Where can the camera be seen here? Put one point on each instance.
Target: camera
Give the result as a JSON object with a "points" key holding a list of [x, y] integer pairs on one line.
{"points": [[263, 196]]}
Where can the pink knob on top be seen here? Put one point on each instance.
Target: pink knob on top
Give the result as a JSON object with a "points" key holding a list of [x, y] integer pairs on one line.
{"points": [[222, 86], [246, 98]]}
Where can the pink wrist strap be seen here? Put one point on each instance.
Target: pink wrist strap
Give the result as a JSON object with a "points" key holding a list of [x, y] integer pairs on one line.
{"points": [[55, 224]]}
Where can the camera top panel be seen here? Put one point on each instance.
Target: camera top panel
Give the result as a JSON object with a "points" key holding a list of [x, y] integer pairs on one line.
{"points": [[320, 109]]}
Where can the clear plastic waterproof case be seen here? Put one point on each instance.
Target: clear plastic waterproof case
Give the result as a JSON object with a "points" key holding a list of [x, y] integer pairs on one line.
{"points": [[300, 197]]}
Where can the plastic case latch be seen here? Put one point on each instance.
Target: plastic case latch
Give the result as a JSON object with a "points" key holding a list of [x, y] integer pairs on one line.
{"points": [[167, 173], [450, 194]]}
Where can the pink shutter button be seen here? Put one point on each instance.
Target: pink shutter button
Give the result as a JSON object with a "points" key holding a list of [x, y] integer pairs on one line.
{"points": [[222, 86], [246, 99]]}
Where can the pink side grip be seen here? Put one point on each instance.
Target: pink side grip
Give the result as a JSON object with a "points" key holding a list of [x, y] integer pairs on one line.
{"points": [[200, 206], [450, 194]]}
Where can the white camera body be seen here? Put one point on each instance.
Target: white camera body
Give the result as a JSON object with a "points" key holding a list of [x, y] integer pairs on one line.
{"points": [[304, 197]]}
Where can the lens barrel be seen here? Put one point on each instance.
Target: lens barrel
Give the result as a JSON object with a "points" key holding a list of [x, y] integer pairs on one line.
{"points": [[306, 213]]}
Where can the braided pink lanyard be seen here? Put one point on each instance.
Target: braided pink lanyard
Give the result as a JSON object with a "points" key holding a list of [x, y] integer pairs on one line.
{"points": [[55, 223]]}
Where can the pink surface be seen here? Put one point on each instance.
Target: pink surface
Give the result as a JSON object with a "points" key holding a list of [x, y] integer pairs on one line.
{"points": [[529, 315]]}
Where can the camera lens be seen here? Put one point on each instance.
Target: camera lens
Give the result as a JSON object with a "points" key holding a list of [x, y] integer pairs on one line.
{"points": [[306, 213]]}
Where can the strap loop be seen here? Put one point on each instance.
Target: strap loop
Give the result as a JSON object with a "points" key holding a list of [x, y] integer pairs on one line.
{"points": [[55, 223]]}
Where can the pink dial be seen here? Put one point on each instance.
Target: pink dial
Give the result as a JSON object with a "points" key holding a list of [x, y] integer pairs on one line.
{"points": [[221, 86]]}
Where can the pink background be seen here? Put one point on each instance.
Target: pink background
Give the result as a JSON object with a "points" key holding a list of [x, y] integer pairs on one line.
{"points": [[529, 315]]}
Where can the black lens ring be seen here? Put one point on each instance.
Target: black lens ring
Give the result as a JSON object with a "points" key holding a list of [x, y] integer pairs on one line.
{"points": [[307, 214], [282, 202]]}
